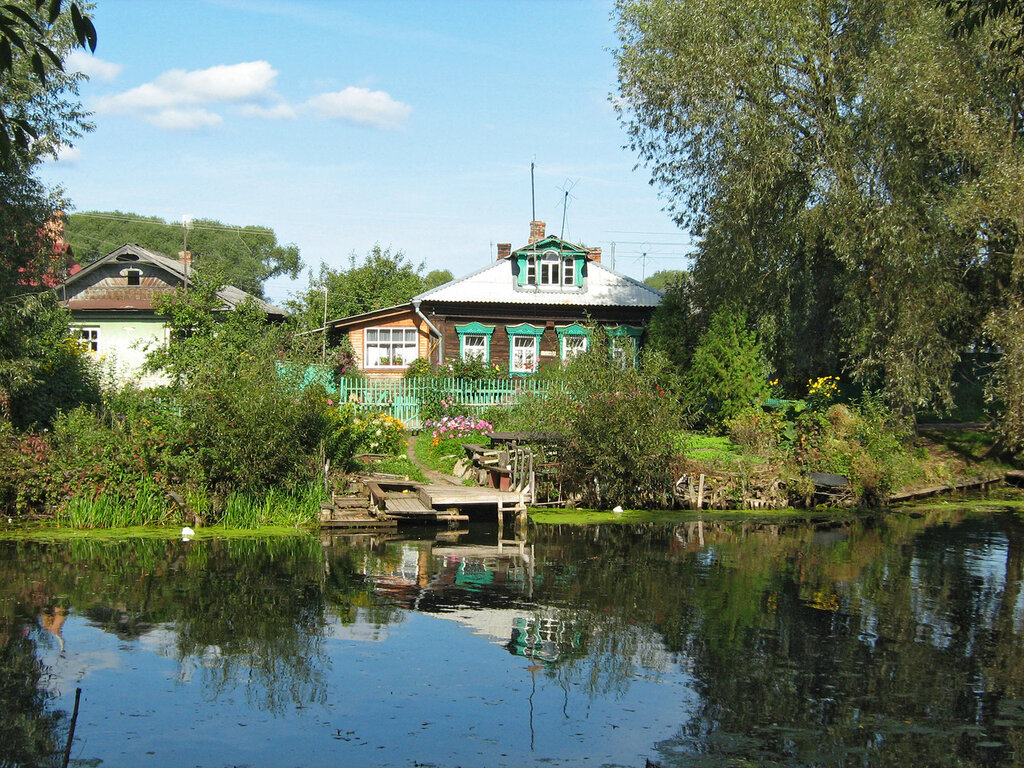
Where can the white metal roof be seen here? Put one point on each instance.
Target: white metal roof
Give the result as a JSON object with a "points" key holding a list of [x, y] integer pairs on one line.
{"points": [[496, 284]]}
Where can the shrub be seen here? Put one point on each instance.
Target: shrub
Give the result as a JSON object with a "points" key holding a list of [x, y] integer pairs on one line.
{"points": [[727, 372], [24, 472], [617, 426], [756, 429], [380, 433]]}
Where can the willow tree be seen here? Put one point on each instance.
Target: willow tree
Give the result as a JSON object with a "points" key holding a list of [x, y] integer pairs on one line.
{"points": [[820, 151]]}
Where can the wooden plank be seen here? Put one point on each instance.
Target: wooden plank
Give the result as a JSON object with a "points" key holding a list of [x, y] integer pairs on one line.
{"points": [[405, 504]]}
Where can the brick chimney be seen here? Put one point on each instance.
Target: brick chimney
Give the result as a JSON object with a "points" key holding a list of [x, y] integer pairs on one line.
{"points": [[504, 250], [594, 254], [536, 231]]}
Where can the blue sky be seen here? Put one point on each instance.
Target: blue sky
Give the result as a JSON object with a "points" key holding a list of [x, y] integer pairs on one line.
{"points": [[345, 124]]}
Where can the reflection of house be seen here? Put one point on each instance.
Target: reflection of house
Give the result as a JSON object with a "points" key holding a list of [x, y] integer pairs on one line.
{"points": [[532, 306], [113, 303]]}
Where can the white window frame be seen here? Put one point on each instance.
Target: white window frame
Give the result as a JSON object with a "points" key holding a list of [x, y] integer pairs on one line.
{"points": [[474, 347], [89, 337], [398, 345], [574, 344], [550, 272], [568, 271], [524, 356]]}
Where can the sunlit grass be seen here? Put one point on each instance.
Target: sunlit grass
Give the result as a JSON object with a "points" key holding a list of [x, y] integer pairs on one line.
{"points": [[294, 507], [149, 506]]}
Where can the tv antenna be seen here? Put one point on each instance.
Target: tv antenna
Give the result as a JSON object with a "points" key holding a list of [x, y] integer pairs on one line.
{"points": [[533, 192], [566, 190]]}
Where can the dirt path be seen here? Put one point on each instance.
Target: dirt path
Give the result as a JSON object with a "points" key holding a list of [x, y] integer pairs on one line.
{"points": [[432, 474]]}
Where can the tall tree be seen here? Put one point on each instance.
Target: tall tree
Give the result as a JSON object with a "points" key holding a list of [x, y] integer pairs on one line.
{"points": [[819, 150], [39, 372], [246, 257], [38, 111], [381, 279]]}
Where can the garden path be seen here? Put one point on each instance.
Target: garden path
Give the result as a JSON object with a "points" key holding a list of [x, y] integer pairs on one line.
{"points": [[432, 474]]}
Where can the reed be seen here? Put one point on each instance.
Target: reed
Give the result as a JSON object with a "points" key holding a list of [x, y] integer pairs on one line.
{"points": [[299, 506], [149, 506]]}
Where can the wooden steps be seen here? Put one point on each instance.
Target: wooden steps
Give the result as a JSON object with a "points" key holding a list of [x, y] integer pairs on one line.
{"points": [[385, 502]]}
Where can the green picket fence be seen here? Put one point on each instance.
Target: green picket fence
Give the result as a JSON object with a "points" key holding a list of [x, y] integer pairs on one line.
{"points": [[402, 399]]}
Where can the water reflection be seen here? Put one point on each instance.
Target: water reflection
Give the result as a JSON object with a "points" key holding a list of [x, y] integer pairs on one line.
{"points": [[887, 641]]}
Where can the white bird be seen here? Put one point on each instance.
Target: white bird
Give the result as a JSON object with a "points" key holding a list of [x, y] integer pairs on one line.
{"points": [[187, 533], [617, 510]]}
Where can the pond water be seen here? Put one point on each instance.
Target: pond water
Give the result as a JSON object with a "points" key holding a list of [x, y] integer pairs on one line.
{"points": [[888, 641]]}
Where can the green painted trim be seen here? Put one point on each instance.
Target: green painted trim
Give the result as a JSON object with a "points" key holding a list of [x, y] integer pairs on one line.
{"points": [[578, 270], [572, 330], [551, 243], [521, 264], [626, 330], [524, 329], [475, 328]]}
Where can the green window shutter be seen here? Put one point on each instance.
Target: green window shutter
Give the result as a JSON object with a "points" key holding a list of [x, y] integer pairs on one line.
{"points": [[521, 277], [580, 262]]}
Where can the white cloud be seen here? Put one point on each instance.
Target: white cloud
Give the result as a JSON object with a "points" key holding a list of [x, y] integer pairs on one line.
{"points": [[180, 100], [91, 66], [172, 100], [183, 119], [363, 106], [280, 111]]}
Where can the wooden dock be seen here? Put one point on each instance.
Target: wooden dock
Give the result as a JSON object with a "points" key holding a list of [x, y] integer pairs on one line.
{"points": [[386, 502]]}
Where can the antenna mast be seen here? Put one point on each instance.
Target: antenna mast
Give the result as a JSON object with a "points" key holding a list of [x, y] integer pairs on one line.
{"points": [[533, 196]]}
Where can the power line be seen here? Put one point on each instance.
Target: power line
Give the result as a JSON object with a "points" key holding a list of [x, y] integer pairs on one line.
{"points": [[162, 223]]}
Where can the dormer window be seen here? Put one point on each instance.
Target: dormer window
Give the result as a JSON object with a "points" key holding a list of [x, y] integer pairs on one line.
{"points": [[551, 269], [134, 276]]}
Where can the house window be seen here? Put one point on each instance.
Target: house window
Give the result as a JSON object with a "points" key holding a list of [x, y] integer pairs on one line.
{"points": [[134, 276], [625, 344], [475, 341], [89, 338], [390, 347], [524, 348], [550, 268], [573, 340], [569, 271], [573, 346], [474, 347], [524, 354]]}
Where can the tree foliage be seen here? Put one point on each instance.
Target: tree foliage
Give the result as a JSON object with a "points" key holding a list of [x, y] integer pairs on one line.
{"points": [[245, 257], [852, 172], [727, 373], [381, 279], [35, 114], [436, 277]]}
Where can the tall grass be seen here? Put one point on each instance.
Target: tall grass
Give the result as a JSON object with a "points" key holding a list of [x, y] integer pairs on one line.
{"points": [[292, 507], [149, 506]]}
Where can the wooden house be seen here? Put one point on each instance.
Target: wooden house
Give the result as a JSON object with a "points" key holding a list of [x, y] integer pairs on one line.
{"points": [[532, 307], [113, 304]]}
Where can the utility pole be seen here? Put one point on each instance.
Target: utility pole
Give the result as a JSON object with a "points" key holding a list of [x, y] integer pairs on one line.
{"points": [[323, 348]]}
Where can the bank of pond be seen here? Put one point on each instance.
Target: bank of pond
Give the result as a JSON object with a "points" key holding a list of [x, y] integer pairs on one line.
{"points": [[783, 639]]}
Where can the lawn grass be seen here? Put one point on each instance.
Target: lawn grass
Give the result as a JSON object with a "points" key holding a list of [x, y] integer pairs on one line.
{"points": [[396, 465]]}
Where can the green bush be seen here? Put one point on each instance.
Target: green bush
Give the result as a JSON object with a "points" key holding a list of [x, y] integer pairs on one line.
{"points": [[24, 472], [861, 442], [617, 427], [727, 372], [43, 370]]}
